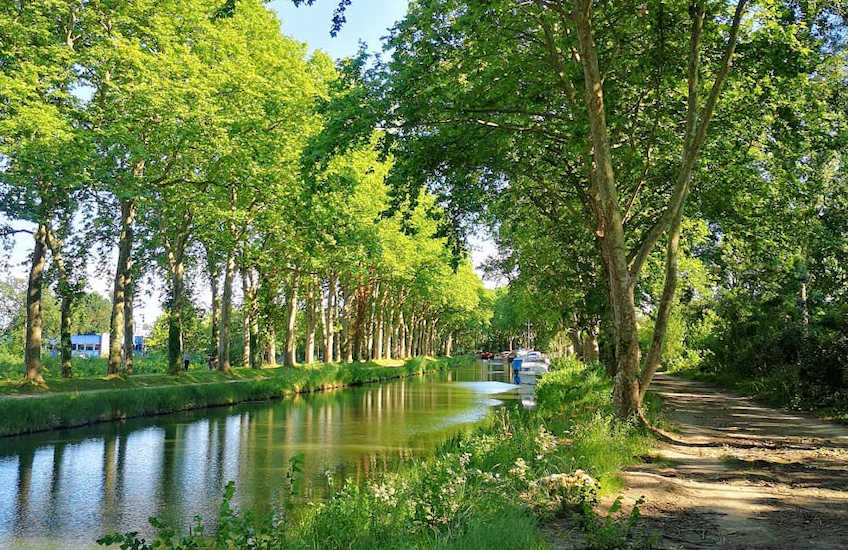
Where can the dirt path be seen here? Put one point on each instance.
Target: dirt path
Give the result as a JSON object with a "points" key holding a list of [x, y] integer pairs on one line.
{"points": [[747, 477]]}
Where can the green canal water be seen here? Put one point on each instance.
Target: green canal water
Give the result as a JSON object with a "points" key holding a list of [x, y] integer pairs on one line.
{"points": [[63, 489]]}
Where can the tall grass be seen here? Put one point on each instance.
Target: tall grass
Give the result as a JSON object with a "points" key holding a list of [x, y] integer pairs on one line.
{"points": [[12, 365]]}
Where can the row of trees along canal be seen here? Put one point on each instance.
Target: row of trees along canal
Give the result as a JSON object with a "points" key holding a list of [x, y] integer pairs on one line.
{"points": [[618, 150], [180, 133], [617, 147]]}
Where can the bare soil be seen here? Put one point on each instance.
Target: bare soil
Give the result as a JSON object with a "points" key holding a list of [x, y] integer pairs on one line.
{"points": [[741, 476]]}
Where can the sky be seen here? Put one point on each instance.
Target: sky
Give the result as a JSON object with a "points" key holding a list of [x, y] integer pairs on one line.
{"points": [[367, 21]]}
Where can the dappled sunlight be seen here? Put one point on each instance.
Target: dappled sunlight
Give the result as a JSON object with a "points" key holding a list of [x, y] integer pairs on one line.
{"points": [[758, 477]]}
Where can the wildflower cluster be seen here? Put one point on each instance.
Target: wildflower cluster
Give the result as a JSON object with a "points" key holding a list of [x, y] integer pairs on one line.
{"points": [[385, 492], [520, 469], [560, 492], [546, 442]]}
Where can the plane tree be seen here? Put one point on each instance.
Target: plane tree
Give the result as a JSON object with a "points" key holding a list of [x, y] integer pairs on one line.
{"points": [[607, 104], [42, 148]]}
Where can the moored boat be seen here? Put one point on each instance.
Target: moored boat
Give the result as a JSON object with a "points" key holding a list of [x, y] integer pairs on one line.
{"points": [[529, 365]]}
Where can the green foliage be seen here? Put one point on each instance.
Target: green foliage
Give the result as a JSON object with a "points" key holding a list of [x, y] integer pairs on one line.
{"points": [[195, 333], [90, 315], [617, 531]]}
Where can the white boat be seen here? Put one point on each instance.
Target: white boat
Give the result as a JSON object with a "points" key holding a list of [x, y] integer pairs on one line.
{"points": [[533, 364]]}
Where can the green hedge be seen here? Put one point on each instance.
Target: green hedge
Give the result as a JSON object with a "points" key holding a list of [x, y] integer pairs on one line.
{"points": [[20, 415]]}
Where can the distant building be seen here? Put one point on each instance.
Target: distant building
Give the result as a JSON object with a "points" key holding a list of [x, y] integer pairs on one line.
{"points": [[94, 345]]}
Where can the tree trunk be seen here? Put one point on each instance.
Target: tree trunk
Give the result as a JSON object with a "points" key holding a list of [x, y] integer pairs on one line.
{"points": [[214, 328], [310, 324], [175, 315], [379, 310], [267, 293], [386, 326], [652, 359], [271, 348], [330, 317], [68, 294], [65, 338], [129, 325], [226, 315], [361, 301], [116, 325], [403, 336], [318, 296], [175, 243], [431, 340], [623, 271], [255, 355], [424, 339], [291, 320], [613, 246], [449, 344], [412, 335], [347, 324], [245, 320], [805, 311]]}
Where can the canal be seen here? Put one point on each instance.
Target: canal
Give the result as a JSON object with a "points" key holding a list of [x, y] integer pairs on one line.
{"points": [[63, 489]]}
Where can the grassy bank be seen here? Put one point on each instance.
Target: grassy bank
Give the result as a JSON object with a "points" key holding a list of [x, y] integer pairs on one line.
{"points": [[77, 402], [12, 365], [490, 488]]}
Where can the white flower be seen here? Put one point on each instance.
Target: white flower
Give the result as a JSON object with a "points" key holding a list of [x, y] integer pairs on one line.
{"points": [[520, 469], [386, 493], [545, 441]]}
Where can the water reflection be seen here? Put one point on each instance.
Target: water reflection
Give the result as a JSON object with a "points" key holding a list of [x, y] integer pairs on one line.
{"points": [[63, 489]]}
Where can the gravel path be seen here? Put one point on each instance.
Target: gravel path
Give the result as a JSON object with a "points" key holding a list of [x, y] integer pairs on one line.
{"points": [[744, 476]]}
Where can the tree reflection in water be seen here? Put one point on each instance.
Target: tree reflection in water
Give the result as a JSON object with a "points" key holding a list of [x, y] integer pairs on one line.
{"points": [[65, 488]]}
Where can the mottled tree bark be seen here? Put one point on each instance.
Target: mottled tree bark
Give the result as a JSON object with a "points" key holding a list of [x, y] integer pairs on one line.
{"points": [[311, 324], [379, 312], [291, 318], [122, 271], [65, 337], [245, 319], [129, 325], [347, 322], [329, 323], [321, 319], [622, 269], [175, 240], [35, 285], [226, 314], [68, 294], [361, 302], [214, 272]]}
